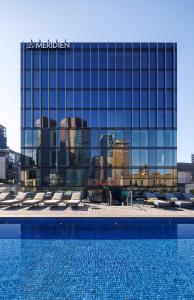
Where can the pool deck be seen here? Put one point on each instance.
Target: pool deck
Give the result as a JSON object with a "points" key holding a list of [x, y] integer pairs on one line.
{"points": [[96, 210]]}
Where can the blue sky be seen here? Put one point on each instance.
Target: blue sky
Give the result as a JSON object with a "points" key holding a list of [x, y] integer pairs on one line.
{"points": [[100, 20]]}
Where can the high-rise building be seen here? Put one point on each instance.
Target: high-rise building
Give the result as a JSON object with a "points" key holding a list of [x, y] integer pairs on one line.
{"points": [[192, 158], [3, 138], [99, 115]]}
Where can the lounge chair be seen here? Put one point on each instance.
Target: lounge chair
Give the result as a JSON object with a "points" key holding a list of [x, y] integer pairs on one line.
{"points": [[56, 199], [4, 196], [184, 203], [162, 203], [17, 200], [75, 199], [35, 201], [150, 198]]}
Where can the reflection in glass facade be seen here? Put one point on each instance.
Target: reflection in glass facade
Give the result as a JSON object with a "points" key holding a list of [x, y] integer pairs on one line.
{"points": [[99, 115]]}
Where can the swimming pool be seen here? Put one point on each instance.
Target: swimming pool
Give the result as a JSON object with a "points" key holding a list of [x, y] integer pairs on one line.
{"points": [[96, 258]]}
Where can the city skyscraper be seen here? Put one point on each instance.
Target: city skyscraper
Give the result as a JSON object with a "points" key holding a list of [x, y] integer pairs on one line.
{"points": [[106, 114]]}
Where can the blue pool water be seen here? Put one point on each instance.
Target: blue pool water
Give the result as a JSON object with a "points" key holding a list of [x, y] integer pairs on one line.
{"points": [[97, 259]]}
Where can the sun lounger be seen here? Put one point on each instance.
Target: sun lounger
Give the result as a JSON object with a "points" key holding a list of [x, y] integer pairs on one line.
{"points": [[35, 201], [4, 196], [56, 199], [162, 203], [184, 203], [170, 197], [188, 196], [150, 198], [17, 200], [75, 199]]}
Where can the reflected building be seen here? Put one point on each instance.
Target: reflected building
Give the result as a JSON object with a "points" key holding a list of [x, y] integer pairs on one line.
{"points": [[99, 115]]}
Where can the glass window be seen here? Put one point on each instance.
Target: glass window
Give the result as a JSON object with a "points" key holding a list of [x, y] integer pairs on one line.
{"points": [[44, 60], [44, 79], [36, 79], [44, 99], [144, 59], [169, 118], [119, 79], [52, 96], [119, 118], [28, 118], [103, 118], [94, 99], [135, 158], [77, 59], [86, 99], [128, 79], [69, 59], [61, 79], [152, 119], [52, 80], [111, 99], [28, 79], [103, 79], [36, 99], [111, 118], [152, 138], [160, 79], [169, 79], [136, 81], [86, 79], [119, 59], [160, 158], [169, 59], [143, 157], [160, 118], [94, 59], [169, 138], [111, 59], [102, 99], [169, 160], [169, 99], [36, 137], [136, 99], [28, 138], [161, 59], [69, 79], [143, 136], [28, 100], [69, 99], [153, 99], [144, 79], [128, 99], [61, 59], [53, 120], [86, 59], [52, 59], [160, 138], [28, 59], [111, 79], [128, 59], [144, 99], [152, 79], [136, 59], [94, 119], [161, 99], [94, 79], [153, 59], [37, 119], [45, 118], [128, 118], [61, 116], [77, 99], [135, 138], [152, 158], [36, 61], [119, 99], [135, 118], [61, 99], [144, 118], [103, 59], [77, 79]]}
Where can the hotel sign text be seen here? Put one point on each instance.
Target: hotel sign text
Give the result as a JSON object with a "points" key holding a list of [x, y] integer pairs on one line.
{"points": [[47, 45]]}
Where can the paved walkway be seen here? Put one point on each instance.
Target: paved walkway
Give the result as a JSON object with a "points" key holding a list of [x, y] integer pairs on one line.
{"points": [[94, 210]]}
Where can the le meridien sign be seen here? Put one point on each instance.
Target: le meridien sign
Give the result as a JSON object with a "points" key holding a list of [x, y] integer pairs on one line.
{"points": [[47, 45]]}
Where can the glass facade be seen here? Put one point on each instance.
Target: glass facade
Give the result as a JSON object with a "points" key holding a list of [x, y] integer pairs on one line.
{"points": [[99, 115]]}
